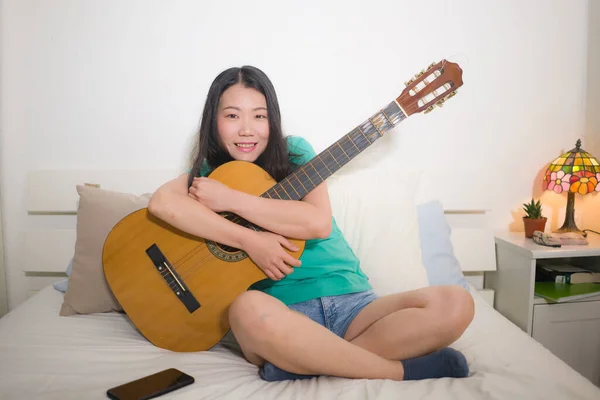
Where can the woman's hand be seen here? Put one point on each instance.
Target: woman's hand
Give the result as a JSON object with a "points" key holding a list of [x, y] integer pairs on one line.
{"points": [[213, 194], [265, 249]]}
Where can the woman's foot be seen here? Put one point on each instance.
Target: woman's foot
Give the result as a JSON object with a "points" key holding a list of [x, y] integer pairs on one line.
{"points": [[444, 363]]}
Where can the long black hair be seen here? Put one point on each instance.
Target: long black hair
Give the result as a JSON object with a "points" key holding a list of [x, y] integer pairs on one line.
{"points": [[210, 149]]}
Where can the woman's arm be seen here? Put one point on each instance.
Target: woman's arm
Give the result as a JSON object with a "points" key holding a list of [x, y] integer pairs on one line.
{"points": [[309, 218], [306, 219], [172, 204]]}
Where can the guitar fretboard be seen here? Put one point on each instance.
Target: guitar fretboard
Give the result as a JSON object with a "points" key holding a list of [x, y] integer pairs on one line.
{"points": [[322, 166]]}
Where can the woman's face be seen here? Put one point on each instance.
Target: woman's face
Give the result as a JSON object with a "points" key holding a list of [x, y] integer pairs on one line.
{"points": [[242, 122]]}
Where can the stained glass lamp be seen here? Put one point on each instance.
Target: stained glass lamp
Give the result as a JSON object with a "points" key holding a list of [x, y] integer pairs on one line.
{"points": [[576, 171]]}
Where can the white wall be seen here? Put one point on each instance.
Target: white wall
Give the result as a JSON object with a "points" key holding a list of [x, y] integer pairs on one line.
{"points": [[591, 208], [3, 298], [120, 84], [593, 83]]}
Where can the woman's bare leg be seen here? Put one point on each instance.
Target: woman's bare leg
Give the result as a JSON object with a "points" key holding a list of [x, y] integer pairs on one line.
{"points": [[268, 330], [413, 323]]}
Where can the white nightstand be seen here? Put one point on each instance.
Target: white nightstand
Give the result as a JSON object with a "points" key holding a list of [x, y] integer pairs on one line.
{"points": [[570, 330]]}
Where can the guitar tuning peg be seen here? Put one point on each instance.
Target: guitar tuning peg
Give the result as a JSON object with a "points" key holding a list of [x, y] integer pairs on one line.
{"points": [[440, 102], [431, 65], [408, 82], [451, 94], [420, 73], [429, 109]]}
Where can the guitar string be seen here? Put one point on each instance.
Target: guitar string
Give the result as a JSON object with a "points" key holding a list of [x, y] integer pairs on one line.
{"points": [[329, 164], [332, 162], [179, 265], [362, 140], [339, 150]]}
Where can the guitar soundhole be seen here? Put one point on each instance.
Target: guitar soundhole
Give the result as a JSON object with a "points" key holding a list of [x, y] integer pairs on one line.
{"points": [[228, 253]]}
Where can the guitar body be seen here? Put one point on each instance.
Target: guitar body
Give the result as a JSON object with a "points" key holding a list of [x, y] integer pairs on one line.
{"points": [[158, 301]]}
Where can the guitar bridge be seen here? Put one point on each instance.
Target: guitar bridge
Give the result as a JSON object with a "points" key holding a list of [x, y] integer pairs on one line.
{"points": [[173, 280]]}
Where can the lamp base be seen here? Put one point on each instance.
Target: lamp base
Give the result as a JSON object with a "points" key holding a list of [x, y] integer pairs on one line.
{"points": [[569, 224], [564, 229]]}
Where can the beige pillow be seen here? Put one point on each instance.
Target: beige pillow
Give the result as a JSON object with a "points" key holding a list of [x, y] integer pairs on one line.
{"points": [[99, 211]]}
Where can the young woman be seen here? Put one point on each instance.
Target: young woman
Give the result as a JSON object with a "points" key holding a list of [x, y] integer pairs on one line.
{"points": [[316, 315]]}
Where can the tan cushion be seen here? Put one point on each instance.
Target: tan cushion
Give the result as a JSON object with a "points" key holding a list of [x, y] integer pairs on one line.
{"points": [[99, 211]]}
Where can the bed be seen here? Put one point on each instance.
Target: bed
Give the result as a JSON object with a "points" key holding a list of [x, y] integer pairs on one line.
{"points": [[45, 355]]}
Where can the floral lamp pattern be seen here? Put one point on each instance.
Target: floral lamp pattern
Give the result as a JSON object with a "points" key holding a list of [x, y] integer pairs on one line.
{"points": [[575, 171]]}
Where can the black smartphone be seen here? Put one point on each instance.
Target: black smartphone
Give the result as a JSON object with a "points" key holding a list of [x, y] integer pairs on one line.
{"points": [[151, 386]]}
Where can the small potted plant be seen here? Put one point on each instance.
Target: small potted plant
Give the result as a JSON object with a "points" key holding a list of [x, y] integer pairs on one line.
{"points": [[533, 219]]}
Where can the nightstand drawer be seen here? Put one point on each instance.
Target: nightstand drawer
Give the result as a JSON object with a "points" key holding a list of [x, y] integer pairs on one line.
{"points": [[570, 331]]}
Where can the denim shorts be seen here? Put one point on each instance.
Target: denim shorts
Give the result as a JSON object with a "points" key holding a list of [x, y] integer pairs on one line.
{"points": [[333, 312]]}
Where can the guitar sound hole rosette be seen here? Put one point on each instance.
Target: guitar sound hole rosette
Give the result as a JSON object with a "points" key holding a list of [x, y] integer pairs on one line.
{"points": [[226, 253]]}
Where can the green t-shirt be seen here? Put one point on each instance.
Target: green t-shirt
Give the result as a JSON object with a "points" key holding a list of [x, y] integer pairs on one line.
{"points": [[329, 266]]}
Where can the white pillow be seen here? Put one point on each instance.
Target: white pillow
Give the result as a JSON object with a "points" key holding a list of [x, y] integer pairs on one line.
{"points": [[376, 211]]}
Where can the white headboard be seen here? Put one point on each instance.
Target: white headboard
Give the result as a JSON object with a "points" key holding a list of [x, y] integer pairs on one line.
{"points": [[49, 246], [53, 191]]}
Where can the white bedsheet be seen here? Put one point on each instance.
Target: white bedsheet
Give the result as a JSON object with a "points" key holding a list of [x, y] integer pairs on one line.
{"points": [[45, 356]]}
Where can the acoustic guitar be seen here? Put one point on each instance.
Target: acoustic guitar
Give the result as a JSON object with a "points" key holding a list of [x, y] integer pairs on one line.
{"points": [[176, 288]]}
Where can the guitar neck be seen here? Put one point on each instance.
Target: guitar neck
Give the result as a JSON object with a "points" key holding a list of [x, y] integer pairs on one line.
{"points": [[322, 166]]}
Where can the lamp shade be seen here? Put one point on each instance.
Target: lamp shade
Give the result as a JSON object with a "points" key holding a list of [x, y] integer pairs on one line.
{"points": [[575, 171]]}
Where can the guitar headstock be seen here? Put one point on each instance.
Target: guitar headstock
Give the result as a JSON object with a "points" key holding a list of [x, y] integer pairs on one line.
{"points": [[430, 88]]}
